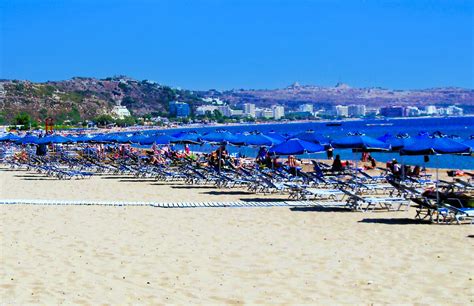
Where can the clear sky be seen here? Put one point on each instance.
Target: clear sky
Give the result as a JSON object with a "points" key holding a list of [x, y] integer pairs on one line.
{"points": [[226, 44]]}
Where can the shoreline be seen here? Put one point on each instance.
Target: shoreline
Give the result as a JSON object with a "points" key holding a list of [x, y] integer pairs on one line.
{"points": [[220, 125]]}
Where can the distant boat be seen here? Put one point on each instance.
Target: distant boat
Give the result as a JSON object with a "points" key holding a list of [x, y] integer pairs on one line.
{"points": [[378, 124], [334, 124]]}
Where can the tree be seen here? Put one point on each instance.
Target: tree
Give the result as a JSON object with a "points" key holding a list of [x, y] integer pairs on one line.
{"points": [[23, 119], [218, 115], [103, 120]]}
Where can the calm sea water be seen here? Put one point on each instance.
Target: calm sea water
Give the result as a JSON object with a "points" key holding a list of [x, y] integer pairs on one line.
{"points": [[460, 126]]}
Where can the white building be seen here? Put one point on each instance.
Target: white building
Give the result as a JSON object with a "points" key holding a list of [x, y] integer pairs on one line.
{"points": [[278, 112], [306, 108], [225, 110], [263, 113], [453, 110], [431, 110], [412, 111], [201, 110], [356, 110], [237, 112], [249, 109], [341, 111], [120, 111]]}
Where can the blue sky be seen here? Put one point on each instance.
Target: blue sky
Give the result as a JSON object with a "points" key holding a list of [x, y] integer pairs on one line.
{"points": [[241, 44]]}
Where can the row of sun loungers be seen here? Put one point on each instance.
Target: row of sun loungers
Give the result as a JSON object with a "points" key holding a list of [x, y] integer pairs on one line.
{"points": [[361, 192]]}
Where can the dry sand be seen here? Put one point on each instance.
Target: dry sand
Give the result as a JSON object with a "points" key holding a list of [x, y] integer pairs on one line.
{"points": [[118, 255]]}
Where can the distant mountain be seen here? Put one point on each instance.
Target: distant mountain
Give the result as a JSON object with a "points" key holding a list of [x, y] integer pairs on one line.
{"points": [[296, 94], [85, 98]]}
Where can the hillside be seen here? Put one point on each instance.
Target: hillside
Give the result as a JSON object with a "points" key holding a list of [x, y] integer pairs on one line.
{"points": [[85, 98], [343, 94]]}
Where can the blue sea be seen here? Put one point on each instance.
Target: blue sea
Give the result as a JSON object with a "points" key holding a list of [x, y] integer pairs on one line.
{"points": [[460, 126]]}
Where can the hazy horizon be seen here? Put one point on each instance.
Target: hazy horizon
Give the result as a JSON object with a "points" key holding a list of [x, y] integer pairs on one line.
{"points": [[246, 44]]}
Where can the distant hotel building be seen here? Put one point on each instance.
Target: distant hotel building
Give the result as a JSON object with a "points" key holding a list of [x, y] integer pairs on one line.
{"points": [[120, 112], [356, 110], [306, 108], [341, 111], [392, 111], [225, 110], [263, 113], [201, 110], [249, 110], [179, 109], [278, 112], [454, 111], [431, 110]]}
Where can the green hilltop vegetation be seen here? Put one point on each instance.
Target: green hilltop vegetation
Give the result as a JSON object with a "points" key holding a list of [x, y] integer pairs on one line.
{"points": [[80, 99]]}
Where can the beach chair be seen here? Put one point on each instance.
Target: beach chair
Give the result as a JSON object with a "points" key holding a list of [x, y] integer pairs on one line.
{"points": [[457, 214], [363, 203]]}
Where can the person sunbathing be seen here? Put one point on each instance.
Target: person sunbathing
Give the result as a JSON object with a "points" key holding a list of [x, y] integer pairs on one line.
{"points": [[337, 164], [372, 163]]}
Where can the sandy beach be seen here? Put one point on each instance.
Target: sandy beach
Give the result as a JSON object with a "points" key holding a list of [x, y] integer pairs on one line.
{"points": [[145, 255]]}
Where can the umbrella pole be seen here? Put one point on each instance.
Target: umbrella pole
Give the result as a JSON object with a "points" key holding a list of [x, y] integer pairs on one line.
{"points": [[437, 179]]}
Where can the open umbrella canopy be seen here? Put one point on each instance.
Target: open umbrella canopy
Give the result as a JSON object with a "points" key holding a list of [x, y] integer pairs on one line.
{"points": [[295, 147], [426, 145], [157, 139], [82, 138], [258, 140], [360, 142], [54, 139], [470, 143], [122, 138], [396, 142], [220, 137], [138, 138], [275, 135], [99, 138], [28, 139], [187, 138], [311, 136], [9, 137]]}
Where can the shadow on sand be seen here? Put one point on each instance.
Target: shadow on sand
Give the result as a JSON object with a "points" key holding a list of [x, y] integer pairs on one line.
{"points": [[230, 192], [190, 187], [263, 200], [319, 209], [394, 221], [138, 180]]}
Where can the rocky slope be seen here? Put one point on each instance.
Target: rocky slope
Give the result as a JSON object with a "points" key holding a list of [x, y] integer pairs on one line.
{"points": [[84, 98]]}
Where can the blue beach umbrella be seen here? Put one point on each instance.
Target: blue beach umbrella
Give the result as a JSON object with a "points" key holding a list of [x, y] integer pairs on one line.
{"points": [[54, 139], [311, 136], [425, 145], [396, 142], [9, 137], [82, 138], [219, 137], [187, 138], [295, 147], [138, 138], [275, 135], [259, 140], [29, 139], [470, 143], [98, 138], [360, 142], [157, 139], [122, 138]]}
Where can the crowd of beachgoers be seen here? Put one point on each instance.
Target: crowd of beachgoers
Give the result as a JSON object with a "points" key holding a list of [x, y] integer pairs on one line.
{"points": [[356, 185]]}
